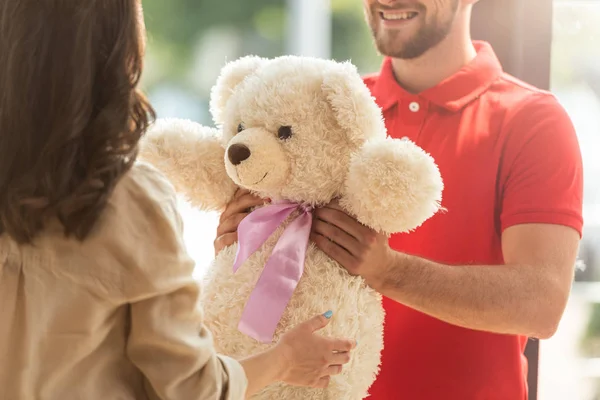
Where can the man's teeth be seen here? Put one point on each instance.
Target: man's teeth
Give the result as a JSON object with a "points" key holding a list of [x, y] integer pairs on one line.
{"points": [[399, 15]]}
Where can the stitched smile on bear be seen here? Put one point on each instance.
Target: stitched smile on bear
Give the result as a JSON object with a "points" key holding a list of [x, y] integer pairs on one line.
{"points": [[262, 179]]}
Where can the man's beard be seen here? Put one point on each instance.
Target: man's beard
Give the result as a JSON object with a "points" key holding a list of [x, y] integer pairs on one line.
{"points": [[427, 36]]}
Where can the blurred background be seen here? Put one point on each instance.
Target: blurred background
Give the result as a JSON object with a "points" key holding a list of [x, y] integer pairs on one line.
{"points": [[190, 41]]}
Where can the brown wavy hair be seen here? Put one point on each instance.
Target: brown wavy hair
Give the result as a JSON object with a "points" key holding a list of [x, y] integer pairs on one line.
{"points": [[70, 114]]}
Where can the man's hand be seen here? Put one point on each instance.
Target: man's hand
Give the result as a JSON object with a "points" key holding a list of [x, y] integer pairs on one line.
{"points": [[241, 205], [356, 247]]}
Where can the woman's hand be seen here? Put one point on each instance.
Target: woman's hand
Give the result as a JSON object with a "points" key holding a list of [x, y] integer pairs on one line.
{"points": [[234, 213], [309, 359], [302, 357]]}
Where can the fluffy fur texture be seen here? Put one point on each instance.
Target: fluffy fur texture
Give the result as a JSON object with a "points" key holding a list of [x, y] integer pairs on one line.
{"points": [[305, 130], [192, 157]]}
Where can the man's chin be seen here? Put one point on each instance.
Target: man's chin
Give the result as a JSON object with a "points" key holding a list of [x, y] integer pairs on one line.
{"points": [[390, 45], [395, 50], [388, 51]]}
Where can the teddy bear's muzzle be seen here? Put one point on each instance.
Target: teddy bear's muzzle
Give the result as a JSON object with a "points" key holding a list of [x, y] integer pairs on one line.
{"points": [[255, 159], [238, 153]]}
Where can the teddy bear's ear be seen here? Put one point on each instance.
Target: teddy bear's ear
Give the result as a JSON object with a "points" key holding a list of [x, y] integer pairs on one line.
{"points": [[231, 75], [352, 102]]}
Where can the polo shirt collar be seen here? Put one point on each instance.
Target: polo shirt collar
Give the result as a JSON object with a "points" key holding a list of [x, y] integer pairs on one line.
{"points": [[454, 93]]}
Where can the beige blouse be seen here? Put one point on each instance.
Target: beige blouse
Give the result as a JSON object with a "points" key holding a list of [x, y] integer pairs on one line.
{"points": [[114, 318]]}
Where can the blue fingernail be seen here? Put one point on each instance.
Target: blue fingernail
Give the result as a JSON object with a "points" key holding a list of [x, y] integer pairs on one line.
{"points": [[328, 314]]}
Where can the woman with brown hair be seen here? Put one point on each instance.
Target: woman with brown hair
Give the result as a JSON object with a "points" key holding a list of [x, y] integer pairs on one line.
{"points": [[97, 299]]}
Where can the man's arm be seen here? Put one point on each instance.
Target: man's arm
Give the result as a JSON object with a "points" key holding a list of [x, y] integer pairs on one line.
{"points": [[540, 180], [527, 295]]}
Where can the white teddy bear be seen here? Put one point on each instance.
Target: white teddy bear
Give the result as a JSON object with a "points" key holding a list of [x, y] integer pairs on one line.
{"points": [[301, 132]]}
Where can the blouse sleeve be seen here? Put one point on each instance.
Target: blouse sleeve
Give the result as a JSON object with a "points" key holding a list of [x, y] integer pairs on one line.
{"points": [[168, 341]]}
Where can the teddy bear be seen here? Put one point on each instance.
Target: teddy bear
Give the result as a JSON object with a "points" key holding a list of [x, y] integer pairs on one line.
{"points": [[300, 132]]}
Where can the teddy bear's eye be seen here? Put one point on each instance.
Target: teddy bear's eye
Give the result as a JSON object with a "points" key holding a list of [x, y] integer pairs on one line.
{"points": [[240, 127], [284, 132]]}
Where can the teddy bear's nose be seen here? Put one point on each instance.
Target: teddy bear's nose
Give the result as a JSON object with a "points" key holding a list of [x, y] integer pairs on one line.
{"points": [[238, 153]]}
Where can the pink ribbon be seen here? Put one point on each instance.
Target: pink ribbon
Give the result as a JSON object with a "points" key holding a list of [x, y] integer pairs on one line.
{"points": [[283, 269]]}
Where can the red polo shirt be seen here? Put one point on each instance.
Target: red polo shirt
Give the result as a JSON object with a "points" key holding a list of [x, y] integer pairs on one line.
{"points": [[508, 155]]}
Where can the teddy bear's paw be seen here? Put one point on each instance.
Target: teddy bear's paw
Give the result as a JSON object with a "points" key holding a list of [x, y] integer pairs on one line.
{"points": [[393, 186], [191, 156]]}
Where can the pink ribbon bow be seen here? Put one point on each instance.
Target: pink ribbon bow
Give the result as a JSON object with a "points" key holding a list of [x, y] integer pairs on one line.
{"points": [[283, 269]]}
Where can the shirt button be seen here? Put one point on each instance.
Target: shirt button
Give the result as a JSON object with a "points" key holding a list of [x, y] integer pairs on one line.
{"points": [[414, 106]]}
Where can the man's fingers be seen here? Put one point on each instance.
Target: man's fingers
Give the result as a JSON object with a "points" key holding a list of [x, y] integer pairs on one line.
{"points": [[341, 220], [240, 192], [241, 204], [225, 240], [335, 204], [334, 251], [231, 224], [332, 232], [248, 200], [234, 213]]}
